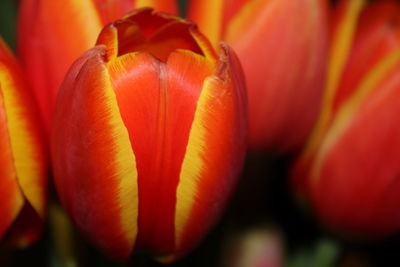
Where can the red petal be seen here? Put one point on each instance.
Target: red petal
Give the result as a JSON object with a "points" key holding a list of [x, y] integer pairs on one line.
{"points": [[45, 28], [24, 161], [358, 180], [26, 228], [214, 155], [25, 135], [378, 34], [282, 46], [94, 164], [157, 103], [11, 200]]}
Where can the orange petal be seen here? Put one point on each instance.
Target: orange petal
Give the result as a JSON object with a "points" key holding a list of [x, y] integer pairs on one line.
{"points": [[208, 16], [282, 46], [11, 200], [25, 134], [157, 103], [377, 36], [45, 27], [25, 170], [214, 16], [345, 19], [213, 156], [168, 6], [94, 165]]}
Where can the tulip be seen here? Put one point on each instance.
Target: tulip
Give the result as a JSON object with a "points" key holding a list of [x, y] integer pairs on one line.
{"points": [[282, 45], [53, 33], [349, 170], [23, 169], [149, 136]]}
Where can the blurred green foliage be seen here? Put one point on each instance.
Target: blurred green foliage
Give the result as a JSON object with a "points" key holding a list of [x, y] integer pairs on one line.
{"points": [[8, 16]]}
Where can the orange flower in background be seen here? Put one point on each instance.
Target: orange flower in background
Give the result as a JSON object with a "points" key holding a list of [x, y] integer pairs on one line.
{"points": [[282, 45], [149, 136], [23, 173], [349, 170], [52, 34]]}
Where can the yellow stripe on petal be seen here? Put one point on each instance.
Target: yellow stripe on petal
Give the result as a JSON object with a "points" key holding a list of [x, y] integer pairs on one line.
{"points": [[205, 46], [348, 108], [11, 198], [85, 12], [126, 164], [244, 21], [208, 16], [28, 168], [192, 165], [340, 48], [144, 3]]}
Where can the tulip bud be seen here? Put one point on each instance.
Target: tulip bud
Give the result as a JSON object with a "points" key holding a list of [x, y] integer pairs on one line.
{"points": [[349, 170], [23, 174], [53, 33], [282, 45], [149, 136]]}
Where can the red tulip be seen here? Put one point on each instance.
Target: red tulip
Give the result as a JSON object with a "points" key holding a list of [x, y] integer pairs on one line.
{"points": [[349, 170], [282, 45], [23, 170], [53, 33], [149, 136]]}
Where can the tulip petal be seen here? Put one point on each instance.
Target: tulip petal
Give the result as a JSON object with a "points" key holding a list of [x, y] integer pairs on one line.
{"points": [[213, 152], [345, 23], [168, 6], [102, 201], [281, 85], [11, 199], [377, 35], [369, 160], [46, 29], [349, 108], [344, 31], [27, 149], [208, 16], [26, 228], [161, 98]]}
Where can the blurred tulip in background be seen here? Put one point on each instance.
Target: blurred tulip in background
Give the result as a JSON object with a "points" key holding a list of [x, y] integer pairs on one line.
{"points": [[349, 170], [23, 173], [261, 246], [282, 45], [149, 136], [52, 34]]}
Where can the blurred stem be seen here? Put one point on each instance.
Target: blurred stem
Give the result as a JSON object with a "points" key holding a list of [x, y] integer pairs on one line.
{"points": [[324, 254], [63, 237], [183, 7]]}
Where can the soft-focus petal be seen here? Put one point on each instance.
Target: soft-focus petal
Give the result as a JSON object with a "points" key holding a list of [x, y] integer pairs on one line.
{"points": [[52, 34], [282, 45], [348, 171], [24, 170]]}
